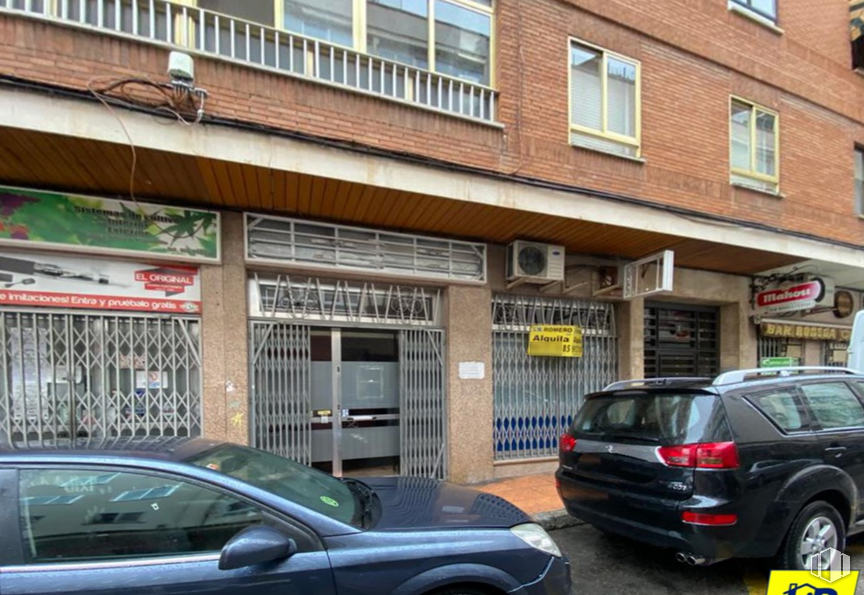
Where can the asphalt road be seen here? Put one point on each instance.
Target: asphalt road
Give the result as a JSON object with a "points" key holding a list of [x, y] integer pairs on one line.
{"points": [[605, 564]]}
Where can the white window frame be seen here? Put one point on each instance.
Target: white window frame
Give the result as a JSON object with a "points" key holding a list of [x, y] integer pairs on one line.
{"points": [[605, 134], [746, 6], [752, 173]]}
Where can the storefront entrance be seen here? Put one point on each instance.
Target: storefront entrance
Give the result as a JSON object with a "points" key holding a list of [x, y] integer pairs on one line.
{"points": [[338, 386], [355, 401], [681, 341], [98, 375]]}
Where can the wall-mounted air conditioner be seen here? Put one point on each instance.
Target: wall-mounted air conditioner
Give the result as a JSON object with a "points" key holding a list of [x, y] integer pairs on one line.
{"points": [[530, 262]]}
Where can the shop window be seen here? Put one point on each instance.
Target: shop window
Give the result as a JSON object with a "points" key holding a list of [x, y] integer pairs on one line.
{"points": [[754, 147], [604, 101], [762, 9]]}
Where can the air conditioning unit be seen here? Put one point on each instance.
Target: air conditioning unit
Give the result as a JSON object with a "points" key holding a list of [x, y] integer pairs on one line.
{"points": [[529, 262]]}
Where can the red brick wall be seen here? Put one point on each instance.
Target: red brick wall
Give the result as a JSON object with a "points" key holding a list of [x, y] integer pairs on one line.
{"points": [[694, 54]]}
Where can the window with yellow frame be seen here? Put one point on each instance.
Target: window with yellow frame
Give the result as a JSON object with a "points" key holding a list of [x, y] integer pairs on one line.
{"points": [[452, 37], [754, 146], [605, 100]]}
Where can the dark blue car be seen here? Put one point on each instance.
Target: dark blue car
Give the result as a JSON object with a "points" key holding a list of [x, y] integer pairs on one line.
{"points": [[195, 516]]}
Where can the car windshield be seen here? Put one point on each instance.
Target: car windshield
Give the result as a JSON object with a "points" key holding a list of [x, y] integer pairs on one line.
{"points": [[290, 480], [662, 418]]}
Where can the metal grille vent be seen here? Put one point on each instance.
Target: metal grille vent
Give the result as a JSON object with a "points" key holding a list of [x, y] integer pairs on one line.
{"points": [[319, 245]]}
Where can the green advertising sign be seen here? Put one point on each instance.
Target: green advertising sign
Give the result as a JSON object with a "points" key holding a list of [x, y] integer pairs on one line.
{"points": [[779, 362], [102, 225]]}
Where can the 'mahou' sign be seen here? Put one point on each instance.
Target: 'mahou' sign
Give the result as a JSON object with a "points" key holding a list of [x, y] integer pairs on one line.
{"points": [[555, 341], [801, 296]]}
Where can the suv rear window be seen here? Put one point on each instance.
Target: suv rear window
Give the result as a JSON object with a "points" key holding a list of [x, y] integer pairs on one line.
{"points": [[664, 418]]}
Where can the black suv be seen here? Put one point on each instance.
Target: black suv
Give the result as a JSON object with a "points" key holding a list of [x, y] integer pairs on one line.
{"points": [[756, 463]]}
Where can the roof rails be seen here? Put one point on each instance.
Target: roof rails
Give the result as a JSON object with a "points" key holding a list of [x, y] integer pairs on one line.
{"points": [[736, 376], [645, 382]]}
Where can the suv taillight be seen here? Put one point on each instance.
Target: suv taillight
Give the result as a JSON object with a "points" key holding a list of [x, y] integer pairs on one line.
{"points": [[567, 443], [711, 455]]}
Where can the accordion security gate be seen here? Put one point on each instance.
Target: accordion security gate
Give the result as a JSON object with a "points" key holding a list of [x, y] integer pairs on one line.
{"points": [[282, 395], [96, 375], [536, 398]]}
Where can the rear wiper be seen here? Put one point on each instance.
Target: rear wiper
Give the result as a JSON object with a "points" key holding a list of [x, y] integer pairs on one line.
{"points": [[364, 495]]}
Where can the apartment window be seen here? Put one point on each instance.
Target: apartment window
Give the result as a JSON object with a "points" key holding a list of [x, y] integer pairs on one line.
{"points": [[766, 9], [754, 150], [604, 100], [859, 180], [330, 20], [257, 11], [453, 37]]}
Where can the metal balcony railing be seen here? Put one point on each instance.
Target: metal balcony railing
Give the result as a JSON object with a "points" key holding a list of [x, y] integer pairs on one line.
{"points": [[205, 32]]}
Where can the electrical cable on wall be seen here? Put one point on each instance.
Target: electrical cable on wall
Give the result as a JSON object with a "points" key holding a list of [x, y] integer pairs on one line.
{"points": [[157, 98]]}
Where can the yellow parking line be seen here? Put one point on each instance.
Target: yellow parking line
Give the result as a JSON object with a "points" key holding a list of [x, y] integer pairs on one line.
{"points": [[756, 583]]}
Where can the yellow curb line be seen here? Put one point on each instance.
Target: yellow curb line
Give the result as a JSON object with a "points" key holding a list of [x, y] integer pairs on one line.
{"points": [[756, 583]]}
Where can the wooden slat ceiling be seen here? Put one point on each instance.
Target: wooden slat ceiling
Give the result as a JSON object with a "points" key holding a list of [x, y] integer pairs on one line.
{"points": [[76, 165]]}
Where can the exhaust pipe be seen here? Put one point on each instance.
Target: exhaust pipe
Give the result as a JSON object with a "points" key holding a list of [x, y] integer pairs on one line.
{"points": [[691, 559]]}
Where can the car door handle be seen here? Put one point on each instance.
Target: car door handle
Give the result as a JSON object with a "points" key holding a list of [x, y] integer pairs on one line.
{"points": [[836, 450]]}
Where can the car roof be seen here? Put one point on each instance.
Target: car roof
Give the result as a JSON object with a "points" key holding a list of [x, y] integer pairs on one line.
{"points": [[734, 379], [146, 448]]}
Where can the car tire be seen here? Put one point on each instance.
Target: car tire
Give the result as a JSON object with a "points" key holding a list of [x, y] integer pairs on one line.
{"points": [[818, 525]]}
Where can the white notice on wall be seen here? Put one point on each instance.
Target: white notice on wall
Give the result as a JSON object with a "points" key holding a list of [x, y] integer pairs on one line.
{"points": [[472, 370]]}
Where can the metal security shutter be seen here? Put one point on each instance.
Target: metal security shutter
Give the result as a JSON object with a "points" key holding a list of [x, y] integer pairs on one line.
{"points": [[778, 347], [423, 415], [281, 394], [64, 375], [681, 341], [536, 398]]}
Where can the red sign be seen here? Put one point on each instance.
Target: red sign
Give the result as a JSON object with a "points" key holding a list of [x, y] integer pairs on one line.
{"points": [[97, 302], [172, 281], [802, 296], [56, 281]]}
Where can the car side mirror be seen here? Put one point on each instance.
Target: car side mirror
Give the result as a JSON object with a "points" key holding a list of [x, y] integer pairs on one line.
{"points": [[256, 545]]}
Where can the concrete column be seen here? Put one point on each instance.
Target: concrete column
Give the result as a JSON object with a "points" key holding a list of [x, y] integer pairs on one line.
{"points": [[469, 339], [631, 339], [738, 341], [225, 339], [812, 353]]}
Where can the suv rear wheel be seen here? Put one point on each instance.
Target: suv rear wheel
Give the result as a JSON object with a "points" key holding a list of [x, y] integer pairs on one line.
{"points": [[816, 528]]}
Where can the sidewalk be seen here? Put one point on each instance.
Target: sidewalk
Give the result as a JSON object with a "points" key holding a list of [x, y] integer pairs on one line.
{"points": [[536, 495]]}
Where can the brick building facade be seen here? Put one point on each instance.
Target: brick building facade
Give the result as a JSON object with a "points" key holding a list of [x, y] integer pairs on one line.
{"points": [[291, 134]]}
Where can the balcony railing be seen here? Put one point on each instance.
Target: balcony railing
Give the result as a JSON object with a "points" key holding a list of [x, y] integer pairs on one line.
{"points": [[204, 32]]}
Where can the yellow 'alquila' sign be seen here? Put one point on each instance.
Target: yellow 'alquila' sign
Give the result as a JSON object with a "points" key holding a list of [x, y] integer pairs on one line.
{"points": [[555, 341]]}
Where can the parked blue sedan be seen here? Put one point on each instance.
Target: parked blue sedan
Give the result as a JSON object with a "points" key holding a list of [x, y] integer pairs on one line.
{"points": [[197, 516]]}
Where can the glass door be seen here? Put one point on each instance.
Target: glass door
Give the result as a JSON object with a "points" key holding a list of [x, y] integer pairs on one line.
{"points": [[355, 401]]}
